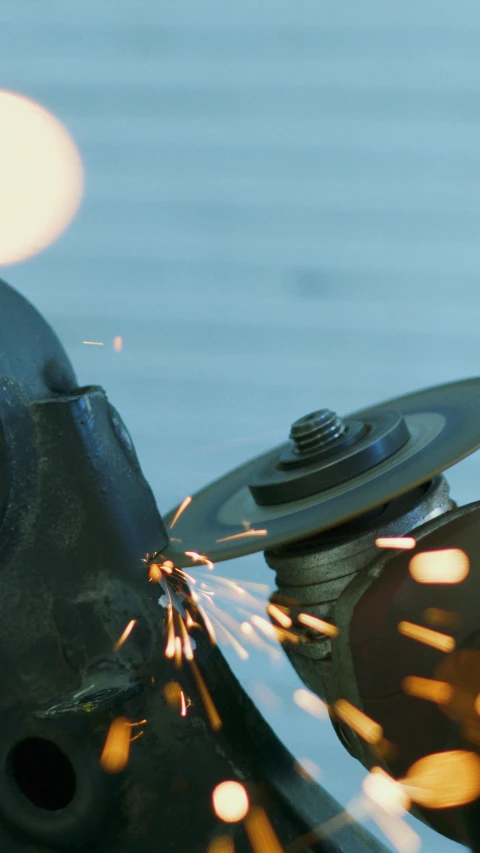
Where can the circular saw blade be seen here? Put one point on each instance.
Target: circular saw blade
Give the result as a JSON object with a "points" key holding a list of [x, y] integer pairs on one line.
{"points": [[223, 521]]}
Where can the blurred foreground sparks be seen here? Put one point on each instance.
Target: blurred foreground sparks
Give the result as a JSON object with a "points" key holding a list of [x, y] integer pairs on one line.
{"points": [[230, 801], [448, 566], [41, 178]]}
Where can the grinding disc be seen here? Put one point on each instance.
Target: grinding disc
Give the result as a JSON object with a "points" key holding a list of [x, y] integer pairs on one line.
{"points": [[223, 520]]}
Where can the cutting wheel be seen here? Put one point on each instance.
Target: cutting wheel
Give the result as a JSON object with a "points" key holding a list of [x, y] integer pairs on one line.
{"points": [[362, 462]]}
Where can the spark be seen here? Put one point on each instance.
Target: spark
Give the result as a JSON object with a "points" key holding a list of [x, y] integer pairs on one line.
{"points": [[426, 688], [124, 637], [185, 503], [403, 543], [442, 642], [183, 704], [450, 565], [279, 614], [116, 750], [187, 643], [200, 558], [208, 624], [170, 647], [364, 726], [386, 792], [221, 844], [154, 573], [260, 831], [244, 535], [230, 801], [207, 700], [117, 343], [178, 652], [310, 703], [94, 343], [241, 652], [318, 625], [444, 779], [135, 737], [273, 632]]}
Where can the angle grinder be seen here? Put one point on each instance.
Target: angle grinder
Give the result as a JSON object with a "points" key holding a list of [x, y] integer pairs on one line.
{"points": [[320, 506]]}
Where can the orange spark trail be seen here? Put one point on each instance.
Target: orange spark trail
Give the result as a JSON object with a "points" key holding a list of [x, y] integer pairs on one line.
{"points": [[116, 751], [244, 535], [170, 647], [124, 637], [442, 642], [183, 704], [402, 543], [200, 558], [281, 617], [186, 502], [426, 688], [318, 625], [261, 833], [207, 700], [367, 728]]}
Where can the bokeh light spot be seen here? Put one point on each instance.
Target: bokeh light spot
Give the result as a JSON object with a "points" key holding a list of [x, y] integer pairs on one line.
{"points": [[41, 178], [230, 801]]}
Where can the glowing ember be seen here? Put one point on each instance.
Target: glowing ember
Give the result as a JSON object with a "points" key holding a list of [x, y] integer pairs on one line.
{"points": [[442, 642], [116, 751], [444, 780], [200, 558], [41, 176], [426, 688], [449, 566], [273, 632], [183, 704], [310, 703], [261, 833], [183, 506], [117, 343], [154, 573], [318, 625], [279, 615], [124, 637], [230, 801], [245, 534], [403, 543], [207, 700], [367, 728]]}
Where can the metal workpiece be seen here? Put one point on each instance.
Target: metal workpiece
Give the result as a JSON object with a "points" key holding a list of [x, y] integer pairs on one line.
{"points": [[77, 533]]}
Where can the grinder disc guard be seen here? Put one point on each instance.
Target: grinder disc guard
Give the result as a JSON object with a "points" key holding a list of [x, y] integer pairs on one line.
{"points": [[225, 521]]}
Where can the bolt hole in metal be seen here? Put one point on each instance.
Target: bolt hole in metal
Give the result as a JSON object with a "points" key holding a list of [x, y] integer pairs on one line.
{"points": [[43, 773]]}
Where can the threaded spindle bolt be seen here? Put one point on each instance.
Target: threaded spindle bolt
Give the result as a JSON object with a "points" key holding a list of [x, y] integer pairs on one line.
{"points": [[316, 430]]}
